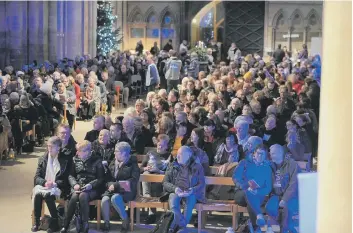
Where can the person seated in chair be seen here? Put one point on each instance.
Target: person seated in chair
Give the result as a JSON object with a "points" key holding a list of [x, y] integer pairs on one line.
{"points": [[180, 139], [121, 186], [51, 181], [98, 125], [68, 98], [68, 147], [155, 162], [284, 194], [102, 148], [253, 181], [86, 178], [184, 181], [132, 134]]}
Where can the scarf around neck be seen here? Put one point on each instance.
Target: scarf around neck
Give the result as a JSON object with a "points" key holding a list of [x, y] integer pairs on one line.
{"points": [[53, 167]]}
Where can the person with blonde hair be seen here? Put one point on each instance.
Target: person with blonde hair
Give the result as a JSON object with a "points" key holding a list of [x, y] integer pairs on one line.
{"points": [[86, 178]]}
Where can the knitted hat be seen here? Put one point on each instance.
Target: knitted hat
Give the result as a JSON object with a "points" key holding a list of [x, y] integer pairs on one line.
{"points": [[47, 88]]}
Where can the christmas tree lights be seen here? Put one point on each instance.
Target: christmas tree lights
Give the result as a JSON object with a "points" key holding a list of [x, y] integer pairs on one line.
{"points": [[108, 38]]}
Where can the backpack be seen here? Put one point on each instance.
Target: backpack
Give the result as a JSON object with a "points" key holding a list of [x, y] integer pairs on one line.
{"points": [[164, 224]]}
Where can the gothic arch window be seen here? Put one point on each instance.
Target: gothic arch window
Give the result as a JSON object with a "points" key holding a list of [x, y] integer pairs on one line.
{"points": [[313, 26], [152, 26], [280, 30], [167, 28]]}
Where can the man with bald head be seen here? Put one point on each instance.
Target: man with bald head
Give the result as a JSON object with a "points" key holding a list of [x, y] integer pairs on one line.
{"points": [[184, 181], [284, 194]]}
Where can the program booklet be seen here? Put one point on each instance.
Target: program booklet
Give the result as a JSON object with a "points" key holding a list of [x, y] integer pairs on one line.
{"points": [[125, 185]]}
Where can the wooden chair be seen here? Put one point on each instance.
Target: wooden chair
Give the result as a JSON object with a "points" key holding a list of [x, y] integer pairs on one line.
{"points": [[119, 87], [217, 205], [31, 132], [146, 202]]}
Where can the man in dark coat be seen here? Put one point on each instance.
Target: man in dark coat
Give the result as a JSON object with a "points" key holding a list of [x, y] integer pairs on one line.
{"points": [[279, 54], [110, 87], [98, 125]]}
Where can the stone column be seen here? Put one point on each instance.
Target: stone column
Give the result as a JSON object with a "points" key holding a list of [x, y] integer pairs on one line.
{"points": [[52, 31], [35, 25], [94, 29], [14, 36], [3, 33], [74, 25], [60, 30], [289, 39], [305, 36], [335, 138], [87, 19], [273, 39]]}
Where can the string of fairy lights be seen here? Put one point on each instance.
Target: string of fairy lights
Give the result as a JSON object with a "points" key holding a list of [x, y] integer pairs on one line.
{"points": [[107, 38]]}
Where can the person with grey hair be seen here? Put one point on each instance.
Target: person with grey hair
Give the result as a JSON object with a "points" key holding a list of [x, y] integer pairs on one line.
{"points": [[242, 129], [284, 194], [91, 101], [132, 133], [51, 181], [121, 187], [184, 180], [194, 67], [108, 80]]}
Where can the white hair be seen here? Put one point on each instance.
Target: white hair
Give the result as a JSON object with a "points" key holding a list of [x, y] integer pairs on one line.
{"points": [[130, 112], [123, 147]]}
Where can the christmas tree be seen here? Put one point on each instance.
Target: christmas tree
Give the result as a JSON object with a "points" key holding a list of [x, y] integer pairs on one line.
{"points": [[108, 38]]}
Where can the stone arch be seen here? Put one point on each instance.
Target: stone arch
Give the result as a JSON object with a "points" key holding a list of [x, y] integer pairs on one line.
{"points": [[279, 13], [149, 12], [135, 12], [293, 17], [311, 13], [165, 11]]}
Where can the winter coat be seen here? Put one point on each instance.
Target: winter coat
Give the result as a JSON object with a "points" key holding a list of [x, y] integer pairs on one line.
{"points": [[285, 181], [61, 178], [194, 68], [86, 172], [247, 170], [106, 154], [70, 149], [127, 172], [196, 179], [173, 68]]}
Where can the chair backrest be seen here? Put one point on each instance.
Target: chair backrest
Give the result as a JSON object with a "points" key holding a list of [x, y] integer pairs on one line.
{"points": [[216, 180], [135, 78], [151, 178], [119, 84]]}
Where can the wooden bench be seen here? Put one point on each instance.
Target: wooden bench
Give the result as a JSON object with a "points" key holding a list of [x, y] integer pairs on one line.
{"points": [[217, 205], [97, 203], [145, 202]]}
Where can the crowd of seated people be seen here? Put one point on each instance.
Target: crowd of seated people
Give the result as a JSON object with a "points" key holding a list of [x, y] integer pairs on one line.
{"points": [[252, 119]]}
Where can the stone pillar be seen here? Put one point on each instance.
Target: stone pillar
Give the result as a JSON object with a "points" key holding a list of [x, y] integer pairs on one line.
{"points": [[52, 31], [35, 25], [305, 36], [60, 30], [94, 28], [3, 33], [87, 19], [118, 9], [335, 138], [273, 39], [74, 25], [14, 37], [290, 29]]}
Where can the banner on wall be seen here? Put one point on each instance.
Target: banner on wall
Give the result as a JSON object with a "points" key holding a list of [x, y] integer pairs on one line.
{"points": [[316, 46]]}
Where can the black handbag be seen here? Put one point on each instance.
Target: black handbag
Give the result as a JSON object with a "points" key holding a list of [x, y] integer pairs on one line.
{"points": [[28, 146]]}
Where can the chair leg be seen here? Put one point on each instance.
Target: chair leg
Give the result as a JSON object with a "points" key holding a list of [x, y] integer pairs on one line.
{"points": [[204, 219], [43, 210], [98, 214], [235, 217], [33, 218], [132, 218], [138, 216], [199, 219]]}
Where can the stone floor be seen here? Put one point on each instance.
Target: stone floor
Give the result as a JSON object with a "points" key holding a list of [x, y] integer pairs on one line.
{"points": [[16, 182]]}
